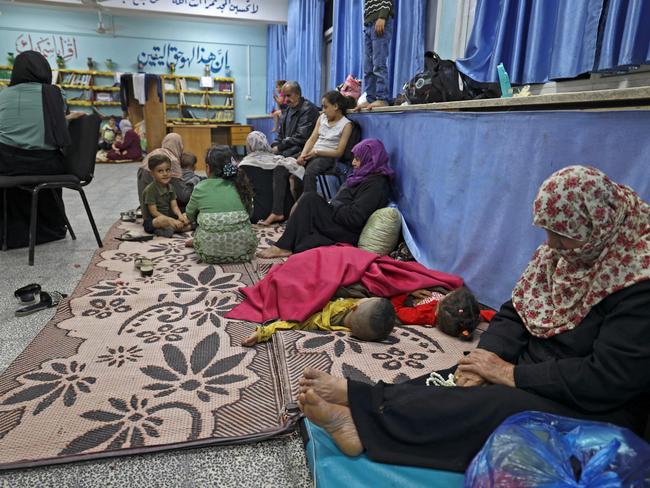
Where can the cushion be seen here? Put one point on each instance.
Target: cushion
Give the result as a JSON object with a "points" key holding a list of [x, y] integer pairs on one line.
{"points": [[382, 231]]}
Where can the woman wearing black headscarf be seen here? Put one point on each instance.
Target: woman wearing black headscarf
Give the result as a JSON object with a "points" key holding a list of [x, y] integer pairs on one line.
{"points": [[33, 130]]}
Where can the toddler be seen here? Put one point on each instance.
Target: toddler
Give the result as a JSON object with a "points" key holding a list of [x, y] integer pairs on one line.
{"points": [[456, 314], [188, 166], [368, 319], [108, 133], [278, 96], [220, 207], [160, 211]]}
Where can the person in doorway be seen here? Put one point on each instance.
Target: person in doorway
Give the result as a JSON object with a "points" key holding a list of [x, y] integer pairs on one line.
{"points": [[574, 340]]}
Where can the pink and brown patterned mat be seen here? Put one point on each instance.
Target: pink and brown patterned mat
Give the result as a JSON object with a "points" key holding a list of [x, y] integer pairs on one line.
{"points": [[133, 364]]}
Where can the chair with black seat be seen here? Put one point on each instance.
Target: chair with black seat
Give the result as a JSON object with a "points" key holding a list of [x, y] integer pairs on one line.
{"points": [[343, 165], [79, 159]]}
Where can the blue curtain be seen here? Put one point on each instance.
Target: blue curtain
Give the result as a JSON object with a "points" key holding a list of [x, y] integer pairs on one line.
{"points": [[536, 40], [305, 46], [407, 47], [347, 41], [625, 38], [276, 60]]}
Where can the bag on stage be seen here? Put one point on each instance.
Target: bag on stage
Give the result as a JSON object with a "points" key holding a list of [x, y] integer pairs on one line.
{"points": [[533, 449]]}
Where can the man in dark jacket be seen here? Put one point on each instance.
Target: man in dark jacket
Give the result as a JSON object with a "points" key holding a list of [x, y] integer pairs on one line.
{"points": [[296, 122]]}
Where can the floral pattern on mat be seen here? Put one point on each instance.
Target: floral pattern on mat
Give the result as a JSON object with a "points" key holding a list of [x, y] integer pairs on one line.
{"points": [[141, 361], [409, 352]]}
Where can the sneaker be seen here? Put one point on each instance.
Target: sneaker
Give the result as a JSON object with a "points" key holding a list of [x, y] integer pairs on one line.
{"points": [[166, 232]]}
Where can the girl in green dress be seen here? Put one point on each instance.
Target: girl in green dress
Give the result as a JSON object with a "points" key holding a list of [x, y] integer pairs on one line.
{"points": [[220, 207]]}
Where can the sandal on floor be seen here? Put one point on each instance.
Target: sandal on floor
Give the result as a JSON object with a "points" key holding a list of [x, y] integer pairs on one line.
{"points": [[134, 237], [128, 216], [144, 265], [138, 213], [48, 300], [28, 293]]}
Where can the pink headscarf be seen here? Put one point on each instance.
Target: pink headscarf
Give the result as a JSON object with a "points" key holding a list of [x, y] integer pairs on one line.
{"points": [[374, 161]]}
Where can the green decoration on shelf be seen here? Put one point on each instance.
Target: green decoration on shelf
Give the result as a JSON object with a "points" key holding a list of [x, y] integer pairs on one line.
{"points": [[10, 59], [90, 63], [60, 62], [110, 64], [172, 67]]}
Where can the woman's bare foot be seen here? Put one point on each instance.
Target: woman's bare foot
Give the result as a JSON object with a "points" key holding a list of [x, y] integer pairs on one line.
{"points": [[335, 419], [328, 387], [189, 243], [272, 219], [274, 252]]}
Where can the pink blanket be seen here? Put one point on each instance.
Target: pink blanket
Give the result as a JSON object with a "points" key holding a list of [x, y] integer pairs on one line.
{"points": [[302, 285]]}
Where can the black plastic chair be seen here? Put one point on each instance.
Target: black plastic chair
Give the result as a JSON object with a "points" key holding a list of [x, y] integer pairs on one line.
{"points": [[343, 165], [80, 167]]}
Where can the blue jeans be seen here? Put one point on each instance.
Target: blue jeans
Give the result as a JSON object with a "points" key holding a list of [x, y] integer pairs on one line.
{"points": [[375, 61]]}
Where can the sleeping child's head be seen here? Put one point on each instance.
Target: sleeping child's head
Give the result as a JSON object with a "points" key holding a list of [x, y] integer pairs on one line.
{"points": [[458, 314], [188, 161], [372, 319], [160, 168]]}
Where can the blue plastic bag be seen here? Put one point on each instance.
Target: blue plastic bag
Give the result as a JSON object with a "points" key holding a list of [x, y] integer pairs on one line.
{"points": [[533, 449]]}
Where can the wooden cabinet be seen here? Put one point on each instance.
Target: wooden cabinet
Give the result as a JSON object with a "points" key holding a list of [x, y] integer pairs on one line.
{"points": [[198, 138]]}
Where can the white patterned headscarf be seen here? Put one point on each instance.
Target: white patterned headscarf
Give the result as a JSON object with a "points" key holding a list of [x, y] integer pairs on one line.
{"points": [[260, 155], [256, 141], [560, 286]]}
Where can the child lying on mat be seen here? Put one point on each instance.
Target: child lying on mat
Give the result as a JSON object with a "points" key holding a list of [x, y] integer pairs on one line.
{"points": [[368, 319], [456, 314]]}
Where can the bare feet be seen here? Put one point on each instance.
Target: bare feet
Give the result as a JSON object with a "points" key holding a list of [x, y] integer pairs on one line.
{"points": [[272, 219], [189, 243], [328, 387], [274, 252], [335, 419], [378, 103], [361, 106]]}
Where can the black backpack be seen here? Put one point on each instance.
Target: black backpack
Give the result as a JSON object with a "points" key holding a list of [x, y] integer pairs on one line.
{"points": [[442, 82]]}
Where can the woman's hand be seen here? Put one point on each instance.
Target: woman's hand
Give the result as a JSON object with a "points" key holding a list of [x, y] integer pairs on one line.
{"points": [[74, 115], [468, 379], [420, 294], [488, 366], [301, 160]]}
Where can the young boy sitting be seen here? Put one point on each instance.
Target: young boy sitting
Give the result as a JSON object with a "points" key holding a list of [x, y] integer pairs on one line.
{"points": [[108, 133], [160, 210], [368, 319], [188, 166]]}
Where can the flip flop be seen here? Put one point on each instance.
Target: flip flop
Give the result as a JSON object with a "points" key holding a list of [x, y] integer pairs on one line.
{"points": [[48, 300], [144, 265], [128, 216], [134, 237], [28, 293]]}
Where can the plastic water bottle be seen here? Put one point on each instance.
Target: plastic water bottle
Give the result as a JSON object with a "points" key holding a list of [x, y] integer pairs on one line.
{"points": [[504, 82]]}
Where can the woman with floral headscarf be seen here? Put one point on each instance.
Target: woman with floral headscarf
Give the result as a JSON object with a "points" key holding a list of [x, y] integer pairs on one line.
{"points": [[318, 223], [573, 341]]}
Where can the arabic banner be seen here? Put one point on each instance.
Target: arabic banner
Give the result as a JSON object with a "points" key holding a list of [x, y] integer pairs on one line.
{"points": [[271, 11]]}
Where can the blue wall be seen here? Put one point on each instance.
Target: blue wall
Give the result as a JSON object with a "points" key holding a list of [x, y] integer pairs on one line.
{"points": [[136, 34]]}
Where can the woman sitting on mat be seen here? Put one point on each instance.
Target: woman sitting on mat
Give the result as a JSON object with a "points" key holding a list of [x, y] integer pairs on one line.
{"points": [[33, 130], [172, 147], [573, 341], [326, 143], [315, 222], [220, 207], [129, 148]]}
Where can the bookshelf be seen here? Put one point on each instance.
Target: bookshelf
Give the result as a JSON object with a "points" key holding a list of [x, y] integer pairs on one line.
{"points": [[183, 96], [95, 90], [5, 75]]}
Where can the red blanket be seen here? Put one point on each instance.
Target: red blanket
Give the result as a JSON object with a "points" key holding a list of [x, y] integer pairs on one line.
{"points": [[302, 285]]}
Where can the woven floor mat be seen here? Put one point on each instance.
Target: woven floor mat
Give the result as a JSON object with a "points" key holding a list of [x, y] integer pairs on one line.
{"points": [[409, 352], [132, 364]]}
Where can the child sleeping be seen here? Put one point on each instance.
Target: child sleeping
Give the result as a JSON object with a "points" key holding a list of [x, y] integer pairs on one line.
{"points": [[367, 319]]}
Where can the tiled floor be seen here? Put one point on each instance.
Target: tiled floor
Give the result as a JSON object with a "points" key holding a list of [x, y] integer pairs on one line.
{"points": [[58, 266]]}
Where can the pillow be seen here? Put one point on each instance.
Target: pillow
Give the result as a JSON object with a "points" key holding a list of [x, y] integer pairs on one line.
{"points": [[381, 233]]}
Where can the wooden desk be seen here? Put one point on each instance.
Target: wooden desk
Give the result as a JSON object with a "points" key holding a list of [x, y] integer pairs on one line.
{"points": [[197, 138]]}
